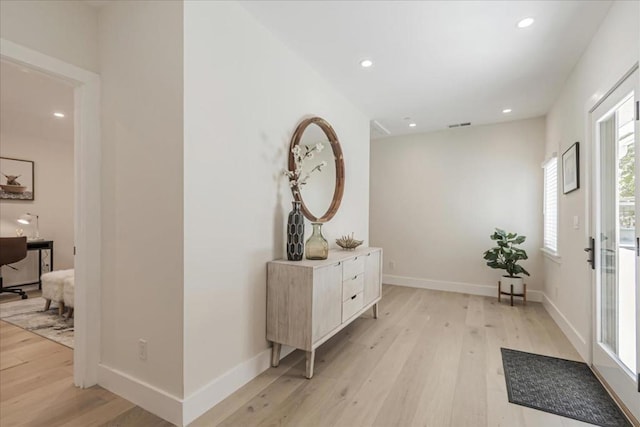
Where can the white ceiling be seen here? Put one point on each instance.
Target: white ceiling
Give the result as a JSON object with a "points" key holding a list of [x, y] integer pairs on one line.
{"points": [[438, 62], [28, 99]]}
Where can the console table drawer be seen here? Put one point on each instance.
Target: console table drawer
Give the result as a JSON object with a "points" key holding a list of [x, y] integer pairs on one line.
{"points": [[352, 286], [352, 267], [352, 306]]}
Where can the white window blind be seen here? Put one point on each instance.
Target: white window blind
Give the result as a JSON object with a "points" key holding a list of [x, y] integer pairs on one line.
{"points": [[551, 204]]}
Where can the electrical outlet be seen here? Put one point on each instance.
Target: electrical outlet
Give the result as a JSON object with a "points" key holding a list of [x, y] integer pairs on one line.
{"points": [[142, 349], [392, 265]]}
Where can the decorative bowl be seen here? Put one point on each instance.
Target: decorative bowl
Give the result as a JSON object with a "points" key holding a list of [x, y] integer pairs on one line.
{"points": [[348, 243], [13, 188]]}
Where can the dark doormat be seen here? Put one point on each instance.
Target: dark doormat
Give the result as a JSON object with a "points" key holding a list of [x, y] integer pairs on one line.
{"points": [[559, 386]]}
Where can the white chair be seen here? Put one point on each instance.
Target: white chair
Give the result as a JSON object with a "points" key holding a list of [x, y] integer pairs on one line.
{"points": [[53, 288]]}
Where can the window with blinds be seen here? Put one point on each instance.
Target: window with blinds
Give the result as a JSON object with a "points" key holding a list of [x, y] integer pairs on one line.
{"points": [[550, 209]]}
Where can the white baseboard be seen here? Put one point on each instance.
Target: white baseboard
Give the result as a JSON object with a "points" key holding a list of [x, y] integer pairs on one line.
{"points": [[178, 411], [145, 395], [459, 287], [217, 390], [572, 334]]}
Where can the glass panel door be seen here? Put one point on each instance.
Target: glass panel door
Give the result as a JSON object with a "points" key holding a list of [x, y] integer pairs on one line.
{"points": [[614, 193], [607, 238], [617, 233], [626, 232]]}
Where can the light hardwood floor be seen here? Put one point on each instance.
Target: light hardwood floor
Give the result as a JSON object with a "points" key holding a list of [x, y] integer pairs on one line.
{"points": [[431, 359], [36, 388]]}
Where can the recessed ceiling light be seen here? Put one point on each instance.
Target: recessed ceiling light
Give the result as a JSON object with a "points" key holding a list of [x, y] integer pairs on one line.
{"points": [[366, 63], [412, 125], [526, 22], [506, 110], [59, 115]]}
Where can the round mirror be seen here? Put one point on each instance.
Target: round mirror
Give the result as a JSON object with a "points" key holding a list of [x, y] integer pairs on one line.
{"points": [[321, 193]]}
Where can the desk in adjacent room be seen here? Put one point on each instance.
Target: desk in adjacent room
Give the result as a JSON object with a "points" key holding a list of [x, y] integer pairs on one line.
{"points": [[40, 245]]}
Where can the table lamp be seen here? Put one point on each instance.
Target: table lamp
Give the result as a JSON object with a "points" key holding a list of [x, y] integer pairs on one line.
{"points": [[27, 219]]}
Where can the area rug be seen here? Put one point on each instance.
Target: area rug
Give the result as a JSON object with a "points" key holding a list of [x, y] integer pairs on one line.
{"points": [[28, 314], [562, 387]]}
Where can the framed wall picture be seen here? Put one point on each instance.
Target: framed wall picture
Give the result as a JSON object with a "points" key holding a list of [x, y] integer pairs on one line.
{"points": [[16, 181], [571, 169]]}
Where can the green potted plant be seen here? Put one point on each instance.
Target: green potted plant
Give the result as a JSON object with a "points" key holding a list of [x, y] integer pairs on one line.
{"points": [[506, 256]]}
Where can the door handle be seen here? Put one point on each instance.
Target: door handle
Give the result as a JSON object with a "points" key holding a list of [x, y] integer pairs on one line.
{"points": [[592, 255]]}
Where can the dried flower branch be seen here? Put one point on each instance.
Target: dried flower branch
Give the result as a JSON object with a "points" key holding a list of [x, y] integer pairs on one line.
{"points": [[297, 177]]}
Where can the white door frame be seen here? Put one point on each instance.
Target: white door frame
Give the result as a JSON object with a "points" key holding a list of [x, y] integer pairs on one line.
{"points": [[87, 202]]}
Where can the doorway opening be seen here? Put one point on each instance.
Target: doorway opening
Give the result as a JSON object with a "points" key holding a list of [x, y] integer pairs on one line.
{"points": [[37, 157], [86, 200]]}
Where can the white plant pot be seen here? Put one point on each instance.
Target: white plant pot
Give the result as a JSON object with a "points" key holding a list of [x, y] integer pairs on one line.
{"points": [[517, 282]]}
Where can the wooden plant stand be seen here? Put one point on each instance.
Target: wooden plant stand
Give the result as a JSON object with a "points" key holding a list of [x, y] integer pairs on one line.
{"points": [[523, 295]]}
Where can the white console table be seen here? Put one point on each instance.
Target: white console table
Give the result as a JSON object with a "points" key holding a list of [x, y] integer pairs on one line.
{"points": [[308, 302]]}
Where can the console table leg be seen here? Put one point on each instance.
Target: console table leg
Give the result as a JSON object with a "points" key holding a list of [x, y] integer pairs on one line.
{"points": [[512, 295], [275, 354], [375, 310], [525, 294], [499, 290], [311, 356]]}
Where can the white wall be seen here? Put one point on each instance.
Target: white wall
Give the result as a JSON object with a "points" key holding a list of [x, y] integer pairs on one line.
{"points": [[245, 92], [240, 120], [437, 197], [54, 169], [64, 29], [142, 192], [612, 52]]}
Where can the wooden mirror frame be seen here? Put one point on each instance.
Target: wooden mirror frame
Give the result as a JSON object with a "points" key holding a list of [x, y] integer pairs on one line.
{"points": [[339, 161]]}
